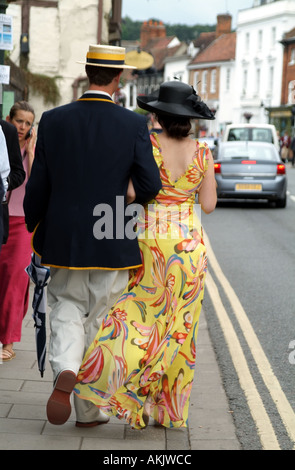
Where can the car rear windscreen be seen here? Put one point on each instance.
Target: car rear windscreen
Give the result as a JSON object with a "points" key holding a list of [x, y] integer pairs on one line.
{"points": [[254, 134], [249, 152]]}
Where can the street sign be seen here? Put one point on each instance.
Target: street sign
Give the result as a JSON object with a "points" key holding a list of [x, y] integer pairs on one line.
{"points": [[4, 74], [6, 42]]}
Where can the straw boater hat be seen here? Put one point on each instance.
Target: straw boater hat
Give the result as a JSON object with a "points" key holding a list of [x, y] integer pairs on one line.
{"points": [[176, 99], [106, 56]]}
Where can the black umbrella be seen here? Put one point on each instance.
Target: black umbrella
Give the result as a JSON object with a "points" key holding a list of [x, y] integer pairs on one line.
{"points": [[39, 275]]}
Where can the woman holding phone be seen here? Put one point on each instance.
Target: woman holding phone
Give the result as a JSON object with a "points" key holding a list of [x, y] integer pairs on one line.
{"points": [[15, 255]]}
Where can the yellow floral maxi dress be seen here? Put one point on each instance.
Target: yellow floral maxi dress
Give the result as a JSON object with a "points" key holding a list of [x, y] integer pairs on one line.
{"points": [[146, 345]]}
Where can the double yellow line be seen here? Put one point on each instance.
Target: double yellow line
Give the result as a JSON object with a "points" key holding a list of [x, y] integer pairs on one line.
{"points": [[265, 429]]}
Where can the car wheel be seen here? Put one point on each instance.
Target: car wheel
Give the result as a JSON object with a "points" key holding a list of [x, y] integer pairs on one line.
{"points": [[281, 202]]}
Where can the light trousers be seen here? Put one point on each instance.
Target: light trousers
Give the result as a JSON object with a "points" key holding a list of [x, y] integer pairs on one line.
{"points": [[79, 300]]}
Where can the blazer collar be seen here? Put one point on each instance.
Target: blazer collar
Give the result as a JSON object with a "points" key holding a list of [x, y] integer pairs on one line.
{"points": [[95, 97]]}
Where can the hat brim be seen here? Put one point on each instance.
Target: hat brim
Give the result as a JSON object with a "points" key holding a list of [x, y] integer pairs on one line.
{"points": [[150, 103], [125, 66]]}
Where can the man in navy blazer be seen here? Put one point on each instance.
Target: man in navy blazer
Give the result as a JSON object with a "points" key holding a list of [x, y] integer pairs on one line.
{"points": [[87, 152]]}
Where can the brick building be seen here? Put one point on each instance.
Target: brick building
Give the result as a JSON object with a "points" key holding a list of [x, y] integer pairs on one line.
{"points": [[288, 85]]}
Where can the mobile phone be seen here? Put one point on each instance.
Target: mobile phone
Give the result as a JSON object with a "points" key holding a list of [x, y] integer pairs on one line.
{"points": [[29, 133]]}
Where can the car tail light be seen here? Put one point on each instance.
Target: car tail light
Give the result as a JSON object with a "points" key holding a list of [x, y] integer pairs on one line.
{"points": [[281, 169], [217, 167]]}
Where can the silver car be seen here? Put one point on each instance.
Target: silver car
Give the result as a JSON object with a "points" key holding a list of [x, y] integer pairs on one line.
{"points": [[250, 170]]}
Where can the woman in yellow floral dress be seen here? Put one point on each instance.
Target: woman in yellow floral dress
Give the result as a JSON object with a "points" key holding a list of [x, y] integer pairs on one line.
{"points": [[142, 360]]}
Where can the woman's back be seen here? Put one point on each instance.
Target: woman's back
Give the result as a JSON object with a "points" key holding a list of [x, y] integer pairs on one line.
{"points": [[186, 168], [177, 155]]}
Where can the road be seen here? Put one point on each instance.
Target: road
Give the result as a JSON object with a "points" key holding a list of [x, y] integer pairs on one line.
{"points": [[250, 306]]}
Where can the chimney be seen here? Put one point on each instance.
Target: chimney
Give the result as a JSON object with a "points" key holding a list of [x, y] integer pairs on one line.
{"points": [[223, 25], [151, 30]]}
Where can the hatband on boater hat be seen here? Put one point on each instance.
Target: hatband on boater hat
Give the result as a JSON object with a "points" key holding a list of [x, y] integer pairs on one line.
{"points": [[176, 99], [106, 56]]}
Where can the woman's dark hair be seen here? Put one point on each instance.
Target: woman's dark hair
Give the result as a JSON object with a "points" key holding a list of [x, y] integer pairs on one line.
{"points": [[176, 127], [101, 76]]}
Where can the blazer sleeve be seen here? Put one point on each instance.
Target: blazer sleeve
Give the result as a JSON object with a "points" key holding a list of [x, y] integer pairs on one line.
{"points": [[17, 173], [38, 186], [145, 173]]}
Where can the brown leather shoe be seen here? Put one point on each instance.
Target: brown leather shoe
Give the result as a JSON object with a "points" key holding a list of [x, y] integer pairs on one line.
{"points": [[59, 405]]}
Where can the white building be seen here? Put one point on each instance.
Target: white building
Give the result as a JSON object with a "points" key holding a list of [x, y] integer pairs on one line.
{"points": [[259, 58], [212, 73], [59, 36], [177, 65]]}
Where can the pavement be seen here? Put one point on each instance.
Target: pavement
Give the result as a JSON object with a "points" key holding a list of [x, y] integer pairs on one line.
{"points": [[24, 394]]}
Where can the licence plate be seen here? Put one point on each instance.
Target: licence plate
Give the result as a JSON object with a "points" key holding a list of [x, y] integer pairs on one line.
{"points": [[248, 187]]}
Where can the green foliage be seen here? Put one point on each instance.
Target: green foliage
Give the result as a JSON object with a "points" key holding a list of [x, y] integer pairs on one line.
{"points": [[187, 33], [131, 30], [141, 111], [44, 86]]}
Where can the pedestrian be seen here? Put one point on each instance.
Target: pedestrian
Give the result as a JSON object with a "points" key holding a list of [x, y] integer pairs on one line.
{"points": [[4, 173], [15, 255], [86, 153], [292, 148], [154, 124], [4, 166], [142, 360], [285, 146], [17, 173]]}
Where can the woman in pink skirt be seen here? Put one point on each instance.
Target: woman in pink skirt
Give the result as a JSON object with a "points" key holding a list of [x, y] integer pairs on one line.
{"points": [[15, 255]]}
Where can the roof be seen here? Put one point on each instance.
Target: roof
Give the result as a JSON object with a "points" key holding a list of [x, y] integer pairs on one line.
{"points": [[161, 54], [158, 43], [205, 39], [289, 37], [220, 50], [160, 50]]}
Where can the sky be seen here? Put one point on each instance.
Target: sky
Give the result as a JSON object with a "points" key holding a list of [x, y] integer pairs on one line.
{"points": [[188, 12]]}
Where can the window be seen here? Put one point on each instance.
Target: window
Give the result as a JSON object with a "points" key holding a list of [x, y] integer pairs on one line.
{"points": [[273, 36], [196, 81], [252, 134], [247, 42], [292, 56], [213, 81], [204, 81], [291, 94], [257, 84], [260, 38], [251, 152], [228, 77], [270, 80], [245, 81]]}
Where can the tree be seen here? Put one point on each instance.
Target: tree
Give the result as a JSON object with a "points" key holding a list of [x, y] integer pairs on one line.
{"points": [[131, 30]]}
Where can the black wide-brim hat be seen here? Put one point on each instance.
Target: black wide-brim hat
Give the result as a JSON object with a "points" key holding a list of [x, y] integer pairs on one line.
{"points": [[176, 99]]}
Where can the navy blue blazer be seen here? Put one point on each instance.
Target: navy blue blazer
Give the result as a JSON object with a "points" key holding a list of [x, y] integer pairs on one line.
{"points": [[86, 152]]}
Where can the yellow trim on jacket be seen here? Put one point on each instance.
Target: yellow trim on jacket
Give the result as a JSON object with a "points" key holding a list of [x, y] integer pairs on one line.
{"points": [[73, 268], [96, 99]]}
